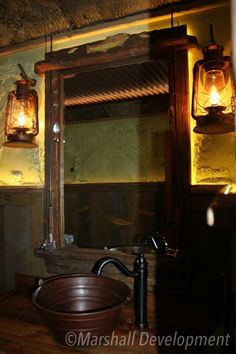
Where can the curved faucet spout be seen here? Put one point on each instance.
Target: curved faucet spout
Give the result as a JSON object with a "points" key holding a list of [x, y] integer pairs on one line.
{"points": [[101, 263], [139, 274]]}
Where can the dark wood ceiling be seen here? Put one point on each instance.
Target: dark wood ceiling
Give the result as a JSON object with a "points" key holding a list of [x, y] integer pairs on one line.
{"points": [[24, 20]]}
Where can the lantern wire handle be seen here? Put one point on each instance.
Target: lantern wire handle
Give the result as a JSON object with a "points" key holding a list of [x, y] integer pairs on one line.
{"points": [[172, 16], [23, 74], [212, 39]]}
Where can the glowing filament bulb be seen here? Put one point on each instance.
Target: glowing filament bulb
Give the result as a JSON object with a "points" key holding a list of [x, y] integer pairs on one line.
{"points": [[214, 96], [21, 120]]}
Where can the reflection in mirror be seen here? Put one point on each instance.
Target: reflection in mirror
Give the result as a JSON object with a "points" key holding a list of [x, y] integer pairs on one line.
{"points": [[116, 136]]}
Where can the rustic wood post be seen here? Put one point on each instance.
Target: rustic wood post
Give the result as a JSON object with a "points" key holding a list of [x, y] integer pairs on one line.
{"points": [[178, 176], [54, 158]]}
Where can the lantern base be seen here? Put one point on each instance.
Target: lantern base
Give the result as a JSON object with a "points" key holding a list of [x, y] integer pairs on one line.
{"points": [[215, 124], [20, 141], [20, 144]]}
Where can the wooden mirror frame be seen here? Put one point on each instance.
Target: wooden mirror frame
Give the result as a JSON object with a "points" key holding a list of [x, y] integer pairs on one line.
{"points": [[138, 48]]}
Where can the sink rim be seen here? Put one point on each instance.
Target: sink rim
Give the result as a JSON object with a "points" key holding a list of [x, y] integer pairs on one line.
{"points": [[130, 249], [84, 313]]}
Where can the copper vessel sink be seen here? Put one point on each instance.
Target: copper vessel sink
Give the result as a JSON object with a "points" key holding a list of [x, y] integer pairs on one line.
{"points": [[77, 308]]}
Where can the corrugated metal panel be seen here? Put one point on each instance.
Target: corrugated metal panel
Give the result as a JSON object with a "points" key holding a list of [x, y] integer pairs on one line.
{"points": [[124, 82]]}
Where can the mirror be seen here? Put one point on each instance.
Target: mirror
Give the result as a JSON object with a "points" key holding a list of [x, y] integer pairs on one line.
{"points": [[115, 127], [114, 171], [124, 169]]}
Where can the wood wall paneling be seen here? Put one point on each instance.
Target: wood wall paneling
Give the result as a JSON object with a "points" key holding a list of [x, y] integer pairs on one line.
{"points": [[113, 214], [21, 228]]}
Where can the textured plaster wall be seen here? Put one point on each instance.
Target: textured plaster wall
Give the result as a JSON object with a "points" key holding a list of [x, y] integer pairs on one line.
{"points": [[116, 150], [214, 158], [21, 166]]}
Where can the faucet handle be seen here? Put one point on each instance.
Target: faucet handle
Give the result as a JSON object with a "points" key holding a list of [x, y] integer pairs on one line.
{"points": [[157, 241], [162, 244]]}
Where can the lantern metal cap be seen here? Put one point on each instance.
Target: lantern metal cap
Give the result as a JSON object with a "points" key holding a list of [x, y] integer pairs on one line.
{"points": [[212, 51]]}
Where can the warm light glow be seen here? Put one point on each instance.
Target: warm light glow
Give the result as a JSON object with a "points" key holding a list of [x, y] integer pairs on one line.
{"points": [[215, 84], [214, 96], [211, 91], [227, 189], [215, 78], [210, 216], [21, 119]]}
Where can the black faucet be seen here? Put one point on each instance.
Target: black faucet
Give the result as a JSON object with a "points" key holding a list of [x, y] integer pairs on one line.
{"points": [[139, 274]]}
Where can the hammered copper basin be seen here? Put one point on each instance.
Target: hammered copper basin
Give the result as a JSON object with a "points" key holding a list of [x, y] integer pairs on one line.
{"points": [[80, 308]]}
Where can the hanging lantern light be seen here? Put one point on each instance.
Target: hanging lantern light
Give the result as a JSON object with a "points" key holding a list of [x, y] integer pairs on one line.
{"points": [[21, 125], [213, 91]]}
